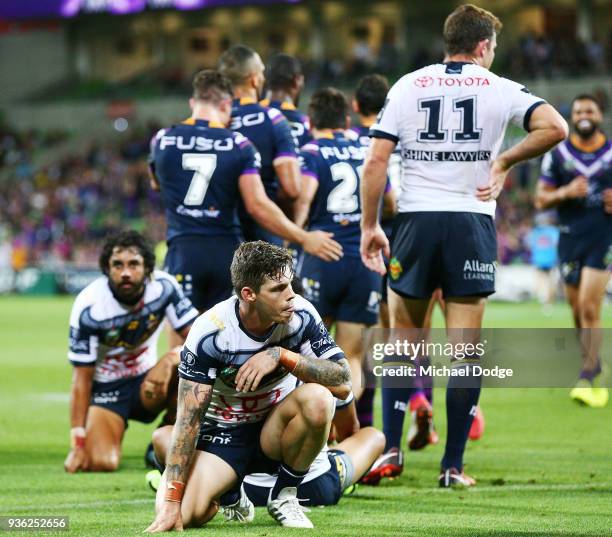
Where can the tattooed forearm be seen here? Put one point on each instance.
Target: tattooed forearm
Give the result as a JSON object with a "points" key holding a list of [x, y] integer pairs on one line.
{"points": [[334, 375], [274, 353], [193, 400]]}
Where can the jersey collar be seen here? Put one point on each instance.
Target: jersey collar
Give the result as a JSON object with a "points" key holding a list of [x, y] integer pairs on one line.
{"points": [[597, 144], [245, 100], [203, 123], [260, 339]]}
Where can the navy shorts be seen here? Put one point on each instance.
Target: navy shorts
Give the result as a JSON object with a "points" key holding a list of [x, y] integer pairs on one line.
{"points": [[345, 290], [201, 265], [454, 251], [575, 252], [326, 489], [238, 446], [122, 397]]}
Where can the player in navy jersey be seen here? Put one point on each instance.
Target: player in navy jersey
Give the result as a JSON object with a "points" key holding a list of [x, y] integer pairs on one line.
{"points": [[285, 81], [577, 179], [450, 119], [269, 131], [239, 410], [329, 201], [203, 169], [114, 327]]}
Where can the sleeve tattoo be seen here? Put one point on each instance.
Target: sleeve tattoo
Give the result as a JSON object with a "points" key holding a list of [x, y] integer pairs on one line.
{"points": [[193, 400], [326, 372]]}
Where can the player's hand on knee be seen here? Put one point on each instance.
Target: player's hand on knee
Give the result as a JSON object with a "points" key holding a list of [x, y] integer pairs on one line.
{"points": [[168, 519], [321, 244], [156, 382], [255, 368], [76, 460], [374, 244]]}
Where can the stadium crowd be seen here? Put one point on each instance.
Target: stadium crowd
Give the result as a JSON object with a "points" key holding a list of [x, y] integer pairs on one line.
{"points": [[59, 213]]}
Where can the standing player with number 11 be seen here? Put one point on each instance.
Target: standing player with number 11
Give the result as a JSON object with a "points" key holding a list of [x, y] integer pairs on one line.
{"points": [[450, 119]]}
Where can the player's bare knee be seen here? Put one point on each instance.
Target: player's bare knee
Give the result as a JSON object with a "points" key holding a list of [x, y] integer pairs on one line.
{"points": [[378, 439], [104, 462], [317, 405], [589, 313]]}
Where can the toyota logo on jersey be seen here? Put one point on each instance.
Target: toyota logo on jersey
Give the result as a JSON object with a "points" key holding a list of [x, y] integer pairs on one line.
{"points": [[423, 81]]}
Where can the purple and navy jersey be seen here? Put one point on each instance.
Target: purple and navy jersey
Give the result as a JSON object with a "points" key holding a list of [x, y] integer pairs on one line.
{"points": [[269, 131], [561, 165], [336, 163], [299, 122], [197, 165]]}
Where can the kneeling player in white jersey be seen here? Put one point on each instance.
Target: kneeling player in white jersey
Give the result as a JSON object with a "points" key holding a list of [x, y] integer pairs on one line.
{"points": [[114, 327], [450, 119], [239, 410]]}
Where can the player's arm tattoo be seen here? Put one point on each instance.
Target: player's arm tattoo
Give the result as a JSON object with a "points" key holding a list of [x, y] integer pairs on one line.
{"points": [[193, 400], [335, 375]]}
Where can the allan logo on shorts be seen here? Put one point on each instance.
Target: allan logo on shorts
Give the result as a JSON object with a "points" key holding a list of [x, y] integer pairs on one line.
{"points": [[395, 268]]}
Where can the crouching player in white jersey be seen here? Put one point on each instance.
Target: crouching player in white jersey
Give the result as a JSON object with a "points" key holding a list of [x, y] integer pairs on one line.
{"points": [[114, 327], [450, 119], [239, 410]]}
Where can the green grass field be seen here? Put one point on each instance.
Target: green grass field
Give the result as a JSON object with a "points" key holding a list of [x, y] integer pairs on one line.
{"points": [[544, 465]]}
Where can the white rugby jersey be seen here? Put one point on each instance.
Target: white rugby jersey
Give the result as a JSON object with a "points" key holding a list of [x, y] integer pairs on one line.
{"points": [[218, 344], [450, 121], [122, 342]]}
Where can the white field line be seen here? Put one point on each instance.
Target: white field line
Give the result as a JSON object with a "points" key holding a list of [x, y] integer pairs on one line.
{"points": [[41, 508]]}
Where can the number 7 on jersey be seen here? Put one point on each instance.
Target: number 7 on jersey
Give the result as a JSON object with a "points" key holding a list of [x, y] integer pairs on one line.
{"points": [[203, 167]]}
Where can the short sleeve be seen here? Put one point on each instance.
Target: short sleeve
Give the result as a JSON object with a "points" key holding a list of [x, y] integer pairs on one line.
{"points": [[82, 340], [520, 103], [548, 172], [180, 312], [308, 161], [200, 359], [281, 131], [250, 159], [387, 124], [316, 341]]}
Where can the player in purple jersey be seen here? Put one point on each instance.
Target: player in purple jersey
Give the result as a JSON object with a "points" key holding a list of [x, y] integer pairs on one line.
{"points": [[331, 168], [285, 81], [114, 327], [203, 169], [267, 128], [577, 179]]}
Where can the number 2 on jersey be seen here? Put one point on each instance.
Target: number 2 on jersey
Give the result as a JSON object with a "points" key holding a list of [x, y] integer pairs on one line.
{"points": [[343, 199], [434, 132], [203, 167]]}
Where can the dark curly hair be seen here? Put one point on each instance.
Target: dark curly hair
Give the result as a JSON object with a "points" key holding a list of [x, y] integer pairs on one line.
{"points": [[127, 239], [255, 261]]}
